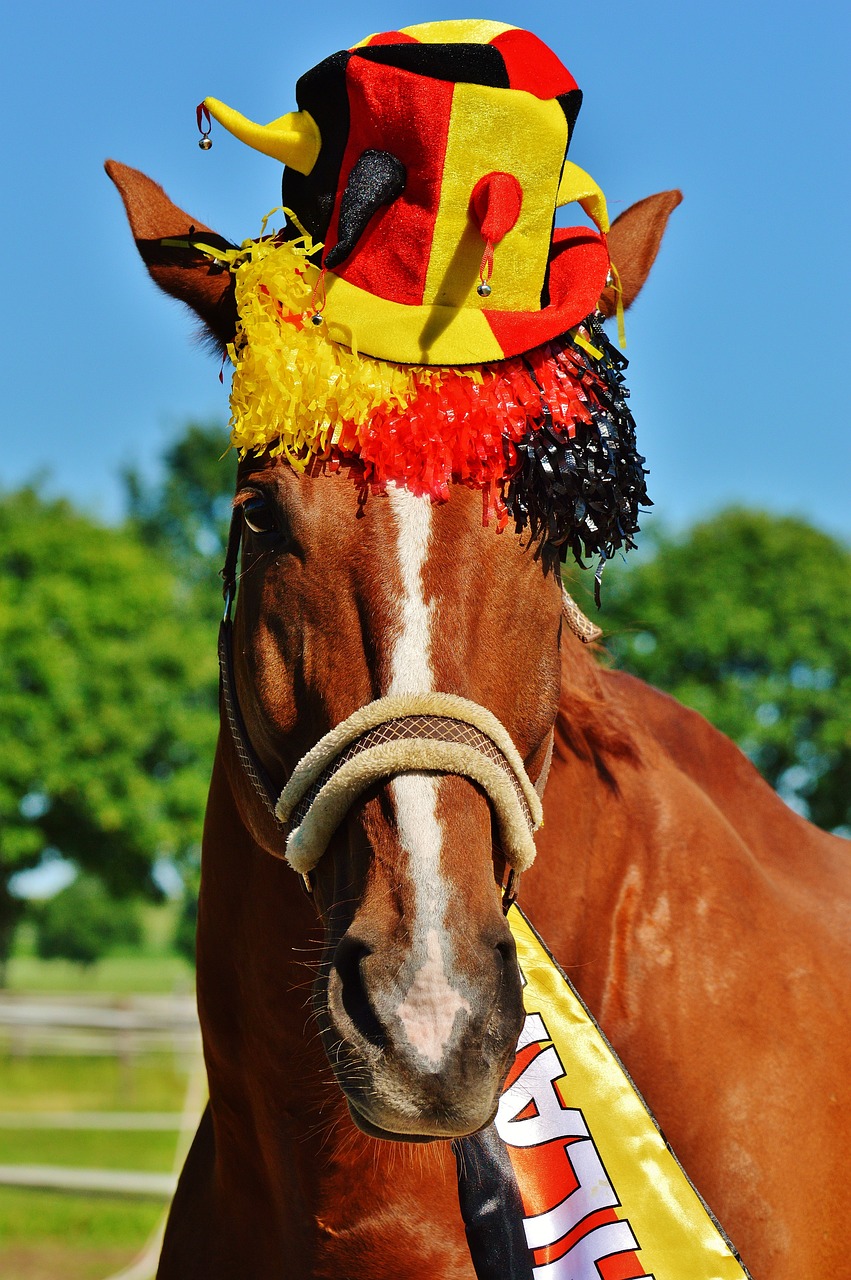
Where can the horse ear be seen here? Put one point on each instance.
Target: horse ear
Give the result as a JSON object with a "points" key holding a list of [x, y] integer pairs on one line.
{"points": [[183, 272], [634, 241]]}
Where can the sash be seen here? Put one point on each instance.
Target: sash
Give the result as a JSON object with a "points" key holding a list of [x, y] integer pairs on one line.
{"points": [[574, 1180]]}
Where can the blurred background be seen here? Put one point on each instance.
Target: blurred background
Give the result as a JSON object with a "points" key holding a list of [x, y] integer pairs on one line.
{"points": [[115, 487]]}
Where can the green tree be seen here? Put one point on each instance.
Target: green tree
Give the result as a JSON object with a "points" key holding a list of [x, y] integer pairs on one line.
{"points": [[84, 922], [747, 618], [108, 713], [185, 514], [186, 510]]}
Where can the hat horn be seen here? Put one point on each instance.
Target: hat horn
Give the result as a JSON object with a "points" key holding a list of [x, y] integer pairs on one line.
{"points": [[294, 139], [578, 185]]}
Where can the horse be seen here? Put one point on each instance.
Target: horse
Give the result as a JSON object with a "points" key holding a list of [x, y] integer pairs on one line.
{"points": [[351, 1033]]}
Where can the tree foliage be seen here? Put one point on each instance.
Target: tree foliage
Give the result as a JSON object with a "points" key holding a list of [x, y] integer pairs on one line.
{"points": [[747, 618], [108, 711], [83, 922], [186, 510]]}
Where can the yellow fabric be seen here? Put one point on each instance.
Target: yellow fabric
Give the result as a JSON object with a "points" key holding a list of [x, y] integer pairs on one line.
{"points": [[459, 31], [587, 346], [676, 1236], [578, 185], [294, 139], [413, 335], [529, 137]]}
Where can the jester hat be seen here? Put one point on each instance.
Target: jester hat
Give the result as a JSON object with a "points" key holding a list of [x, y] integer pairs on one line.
{"points": [[418, 318], [429, 163]]}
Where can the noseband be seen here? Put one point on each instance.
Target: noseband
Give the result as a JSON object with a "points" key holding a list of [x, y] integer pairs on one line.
{"points": [[427, 732]]}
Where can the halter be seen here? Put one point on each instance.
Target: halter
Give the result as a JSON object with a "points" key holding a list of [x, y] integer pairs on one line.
{"points": [[428, 732]]}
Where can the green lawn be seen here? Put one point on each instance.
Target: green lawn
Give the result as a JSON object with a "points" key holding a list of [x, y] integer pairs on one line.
{"points": [[142, 1151], [74, 1220], [149, 1082], [48, 1235], [119, 975]]}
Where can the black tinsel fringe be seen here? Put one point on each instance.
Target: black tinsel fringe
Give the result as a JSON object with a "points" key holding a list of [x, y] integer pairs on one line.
{"points": [[582, 495]]}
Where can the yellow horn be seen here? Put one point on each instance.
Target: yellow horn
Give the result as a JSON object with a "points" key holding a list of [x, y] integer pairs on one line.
{"points": [[578, 185], [294, 139]]}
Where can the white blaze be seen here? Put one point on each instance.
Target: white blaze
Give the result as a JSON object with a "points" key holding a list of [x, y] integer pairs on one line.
{"points": [[410, 670], [429, 1009], [431, 1003]]}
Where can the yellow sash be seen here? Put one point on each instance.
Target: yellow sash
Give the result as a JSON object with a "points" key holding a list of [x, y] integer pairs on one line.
{"points": [[603, 1195]]}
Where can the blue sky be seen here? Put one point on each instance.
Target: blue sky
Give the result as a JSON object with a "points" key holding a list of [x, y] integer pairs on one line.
{"points": [[738, 346]]}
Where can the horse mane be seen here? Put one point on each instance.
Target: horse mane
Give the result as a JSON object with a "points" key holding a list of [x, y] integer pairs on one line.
{"points": [[590, 724]]}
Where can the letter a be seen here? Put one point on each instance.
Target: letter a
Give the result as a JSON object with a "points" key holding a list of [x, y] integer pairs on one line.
{"points": [[537, 1084]]}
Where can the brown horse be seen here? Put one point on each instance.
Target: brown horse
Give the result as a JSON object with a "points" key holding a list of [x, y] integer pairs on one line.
{"points": [[706, 925]]}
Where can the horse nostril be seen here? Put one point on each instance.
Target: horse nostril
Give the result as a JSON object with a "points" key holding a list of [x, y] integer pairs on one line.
{"points": [[506, 955], [348, 961]]}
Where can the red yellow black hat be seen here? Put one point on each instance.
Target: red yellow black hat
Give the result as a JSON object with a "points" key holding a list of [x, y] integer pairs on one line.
{"points": [[428, 164]]}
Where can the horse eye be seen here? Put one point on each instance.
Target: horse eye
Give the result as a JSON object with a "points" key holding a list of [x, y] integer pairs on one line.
{"points": [[259, 516]]}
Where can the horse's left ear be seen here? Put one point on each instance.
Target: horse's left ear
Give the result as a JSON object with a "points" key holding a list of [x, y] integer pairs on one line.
{"points": [[634, 241], [180, 270]]}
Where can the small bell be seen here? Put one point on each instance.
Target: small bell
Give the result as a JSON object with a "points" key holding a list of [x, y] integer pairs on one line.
{"points": [[205, 124], [483, 289], [316, 318]]}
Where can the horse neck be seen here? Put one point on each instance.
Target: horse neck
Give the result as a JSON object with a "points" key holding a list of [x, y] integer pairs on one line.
{"points": [[600, 824], [286, 1151]]}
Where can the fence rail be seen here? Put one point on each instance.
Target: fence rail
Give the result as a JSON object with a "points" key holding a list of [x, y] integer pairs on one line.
{"points": [[113, 1182], [113, 1026]]}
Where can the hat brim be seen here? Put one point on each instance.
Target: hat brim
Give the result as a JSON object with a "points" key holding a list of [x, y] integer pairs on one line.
{"points": [[433, 335]]}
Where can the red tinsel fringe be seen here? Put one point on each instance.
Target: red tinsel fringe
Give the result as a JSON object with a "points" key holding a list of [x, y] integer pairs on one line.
{"points": [[462, 431]]}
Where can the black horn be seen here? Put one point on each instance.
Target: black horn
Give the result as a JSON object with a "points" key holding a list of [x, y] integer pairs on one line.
{"points": [[376, 179]]}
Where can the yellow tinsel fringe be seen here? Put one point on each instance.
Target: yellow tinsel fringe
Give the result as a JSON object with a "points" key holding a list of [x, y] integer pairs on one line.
{"points": [[296, 392]]}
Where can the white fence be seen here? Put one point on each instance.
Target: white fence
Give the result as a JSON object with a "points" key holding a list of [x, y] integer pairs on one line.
{"points": [[117, 1026]]}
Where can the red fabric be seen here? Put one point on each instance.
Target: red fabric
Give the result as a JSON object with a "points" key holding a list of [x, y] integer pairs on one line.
{"points": [[392, 37], [621, 1266], [495, 205], [577, 278], [532, 66], [408, 115]]}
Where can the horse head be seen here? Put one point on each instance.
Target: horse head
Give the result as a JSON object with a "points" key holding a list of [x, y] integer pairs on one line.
{"points": [[346, 599]]}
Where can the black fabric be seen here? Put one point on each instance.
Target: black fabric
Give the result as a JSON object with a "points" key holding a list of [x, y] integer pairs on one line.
{"points": [[491, 1208], [323, 92], [570, 104], [377, 178], [458, 63]]}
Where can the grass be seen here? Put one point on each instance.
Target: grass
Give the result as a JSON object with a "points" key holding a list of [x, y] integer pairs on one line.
{"points": [[48, 1235], [74, 1220], [118, 975], [149, 1082], [53, 1261], [143, 1151]]}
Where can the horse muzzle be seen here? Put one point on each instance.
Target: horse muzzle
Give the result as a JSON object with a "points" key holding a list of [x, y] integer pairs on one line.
{"points": [[421, 1049]]}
